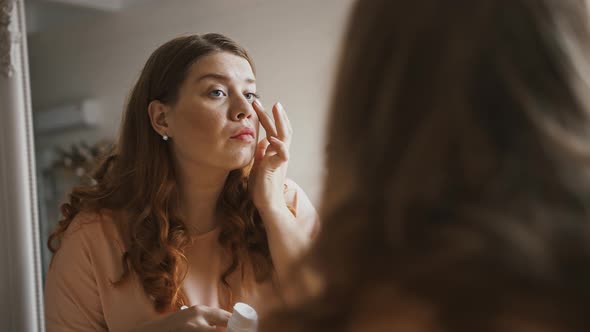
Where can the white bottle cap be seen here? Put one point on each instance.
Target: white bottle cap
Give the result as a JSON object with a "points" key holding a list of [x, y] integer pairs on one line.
{"points": [[243, 319]]}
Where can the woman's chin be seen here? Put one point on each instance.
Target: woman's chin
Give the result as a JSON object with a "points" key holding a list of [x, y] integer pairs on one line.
{"points": [[238, 158], [242, 161]]}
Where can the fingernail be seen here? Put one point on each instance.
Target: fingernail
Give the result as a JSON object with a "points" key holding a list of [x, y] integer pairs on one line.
{"points": [[279, 105], [257, 102]]}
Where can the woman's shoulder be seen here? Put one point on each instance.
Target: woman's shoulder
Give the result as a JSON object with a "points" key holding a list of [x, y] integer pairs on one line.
{"points": [[92, 243], [290, 185], [301, 207], [91, 228], [294, 194]]}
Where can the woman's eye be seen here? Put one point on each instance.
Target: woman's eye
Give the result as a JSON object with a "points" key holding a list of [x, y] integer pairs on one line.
{"points": [[251, 96], [217, 93]]}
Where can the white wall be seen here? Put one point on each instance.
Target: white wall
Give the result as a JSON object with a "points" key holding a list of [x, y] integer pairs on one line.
{"points": [[294, 45]]}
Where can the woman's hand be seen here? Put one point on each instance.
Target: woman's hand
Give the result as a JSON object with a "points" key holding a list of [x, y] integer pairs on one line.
{"points": [[198, 318], [286, 239], [269, 172]]}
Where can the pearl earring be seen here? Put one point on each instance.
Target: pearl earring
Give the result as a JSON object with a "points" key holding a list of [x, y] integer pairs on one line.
{"points": [[165, 137]]}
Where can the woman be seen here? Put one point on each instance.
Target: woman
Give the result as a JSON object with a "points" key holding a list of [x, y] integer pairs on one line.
{"points": [[180, 213], [458, 183]]}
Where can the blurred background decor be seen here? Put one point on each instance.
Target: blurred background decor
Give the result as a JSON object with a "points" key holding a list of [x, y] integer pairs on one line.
{"points": [[66, 168]]}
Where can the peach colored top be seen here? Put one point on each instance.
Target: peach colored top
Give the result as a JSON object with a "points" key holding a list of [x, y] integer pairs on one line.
{"points": [[79, 295]]}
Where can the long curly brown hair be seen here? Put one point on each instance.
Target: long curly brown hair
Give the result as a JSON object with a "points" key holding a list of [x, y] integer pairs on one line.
{"points": [[137, 177], [465, 187]]}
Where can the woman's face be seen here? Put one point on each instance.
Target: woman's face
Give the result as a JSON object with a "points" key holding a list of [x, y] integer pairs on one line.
{"points": [[213, 123]]}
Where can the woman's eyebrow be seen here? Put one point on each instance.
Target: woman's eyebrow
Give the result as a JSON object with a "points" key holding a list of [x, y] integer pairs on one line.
{"points": [[221, 77]]}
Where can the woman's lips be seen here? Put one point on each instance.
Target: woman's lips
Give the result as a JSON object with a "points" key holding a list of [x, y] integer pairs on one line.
{"points": [[245, 135]]}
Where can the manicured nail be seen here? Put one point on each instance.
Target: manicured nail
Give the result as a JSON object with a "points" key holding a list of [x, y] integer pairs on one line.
{"points": [[280, 106]]}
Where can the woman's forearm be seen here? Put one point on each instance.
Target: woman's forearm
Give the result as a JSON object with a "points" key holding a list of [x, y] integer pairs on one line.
{"points": [[286, 239]]}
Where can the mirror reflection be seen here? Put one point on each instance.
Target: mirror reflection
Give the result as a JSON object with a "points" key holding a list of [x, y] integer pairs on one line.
{"points": [[455, 170], [163, 132]]}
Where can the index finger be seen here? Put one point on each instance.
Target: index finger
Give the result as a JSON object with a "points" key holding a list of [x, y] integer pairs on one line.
{"points": [[265, 120], [281, 122]]}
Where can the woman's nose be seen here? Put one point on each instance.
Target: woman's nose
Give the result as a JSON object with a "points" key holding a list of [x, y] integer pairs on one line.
{"points": [[243, 110]]}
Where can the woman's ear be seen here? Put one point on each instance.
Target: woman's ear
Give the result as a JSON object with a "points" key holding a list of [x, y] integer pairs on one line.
{"points": [[158, 112]]}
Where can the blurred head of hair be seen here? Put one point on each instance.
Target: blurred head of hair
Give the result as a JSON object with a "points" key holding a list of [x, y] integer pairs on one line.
{"points": [[457, 161]]}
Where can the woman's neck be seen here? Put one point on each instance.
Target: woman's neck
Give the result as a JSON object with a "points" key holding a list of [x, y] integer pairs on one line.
{"points": [[199, 190]]}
